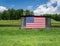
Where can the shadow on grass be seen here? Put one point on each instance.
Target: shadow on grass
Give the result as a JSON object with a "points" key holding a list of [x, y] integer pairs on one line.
{"points": [[9, 25], [55, 26]]}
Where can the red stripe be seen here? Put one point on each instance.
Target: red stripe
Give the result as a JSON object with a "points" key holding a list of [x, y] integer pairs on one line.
{"points": [[38, 23]]}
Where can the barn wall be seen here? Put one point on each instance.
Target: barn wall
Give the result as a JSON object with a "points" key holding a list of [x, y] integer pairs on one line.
{"points": [[23, 22], [48, 22]]}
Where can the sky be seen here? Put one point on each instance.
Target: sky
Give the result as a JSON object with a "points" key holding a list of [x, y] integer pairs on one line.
{"points": [[37, 6]]}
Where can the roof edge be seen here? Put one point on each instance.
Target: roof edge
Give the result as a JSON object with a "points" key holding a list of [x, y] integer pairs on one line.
{"points": [[34, 16]]}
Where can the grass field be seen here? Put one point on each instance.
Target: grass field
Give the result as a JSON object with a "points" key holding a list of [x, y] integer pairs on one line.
{"points": [[13, 36], [55, 23]]}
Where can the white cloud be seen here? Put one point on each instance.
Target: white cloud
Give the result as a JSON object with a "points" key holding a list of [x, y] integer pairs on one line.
{"points": [[48, 8], [2, 8]]}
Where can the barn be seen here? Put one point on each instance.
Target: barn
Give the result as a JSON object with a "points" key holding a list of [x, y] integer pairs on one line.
{"points": [[35, 22]]}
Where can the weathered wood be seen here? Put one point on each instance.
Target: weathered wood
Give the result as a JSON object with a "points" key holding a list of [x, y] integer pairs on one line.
{"points": [[48, 23], [23, 22]]}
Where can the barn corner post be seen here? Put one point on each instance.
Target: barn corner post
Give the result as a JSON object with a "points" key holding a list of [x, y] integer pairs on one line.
{"points": [[23, 22], [48, 22]]}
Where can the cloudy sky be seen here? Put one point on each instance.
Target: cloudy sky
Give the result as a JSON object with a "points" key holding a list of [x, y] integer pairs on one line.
{"points": [[37, 6]]}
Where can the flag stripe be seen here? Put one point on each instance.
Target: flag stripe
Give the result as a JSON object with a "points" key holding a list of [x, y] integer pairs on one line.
{"points": [[39, 22]]}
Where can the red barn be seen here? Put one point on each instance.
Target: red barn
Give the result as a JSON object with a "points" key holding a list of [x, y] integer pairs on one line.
{"points": [[35, 22]]}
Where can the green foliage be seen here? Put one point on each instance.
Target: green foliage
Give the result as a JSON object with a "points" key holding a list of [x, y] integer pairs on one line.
{"points": [[12, 14], [0, 16], [53, 16], [27, 12]]}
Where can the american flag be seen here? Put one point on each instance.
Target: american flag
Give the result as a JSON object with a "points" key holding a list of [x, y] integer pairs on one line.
{"points": [[35, 22]]}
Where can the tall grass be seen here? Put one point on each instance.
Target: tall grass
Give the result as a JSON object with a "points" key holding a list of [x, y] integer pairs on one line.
{"points": [[14, 36]]}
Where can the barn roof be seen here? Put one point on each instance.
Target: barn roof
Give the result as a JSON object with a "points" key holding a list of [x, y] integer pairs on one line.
{"points": [[35, 16]]}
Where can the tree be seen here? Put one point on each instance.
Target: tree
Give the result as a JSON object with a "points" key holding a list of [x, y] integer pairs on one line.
{"points": [[53, 16], [11, 13], [27, 12], [0, 16], [5, 15], [19, 13]]}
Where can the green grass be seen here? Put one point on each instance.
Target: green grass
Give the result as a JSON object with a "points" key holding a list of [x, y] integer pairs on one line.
{"points": [[10, 22], [13, 36], [18, 23], [55, 23]]}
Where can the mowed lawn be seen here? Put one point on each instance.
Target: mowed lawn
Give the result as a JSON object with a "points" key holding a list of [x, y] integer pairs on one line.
{"points": [[14, 36]]}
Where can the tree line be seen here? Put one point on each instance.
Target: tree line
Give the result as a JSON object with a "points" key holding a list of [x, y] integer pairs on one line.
{"points": [[53, 16], [12, 14]]}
